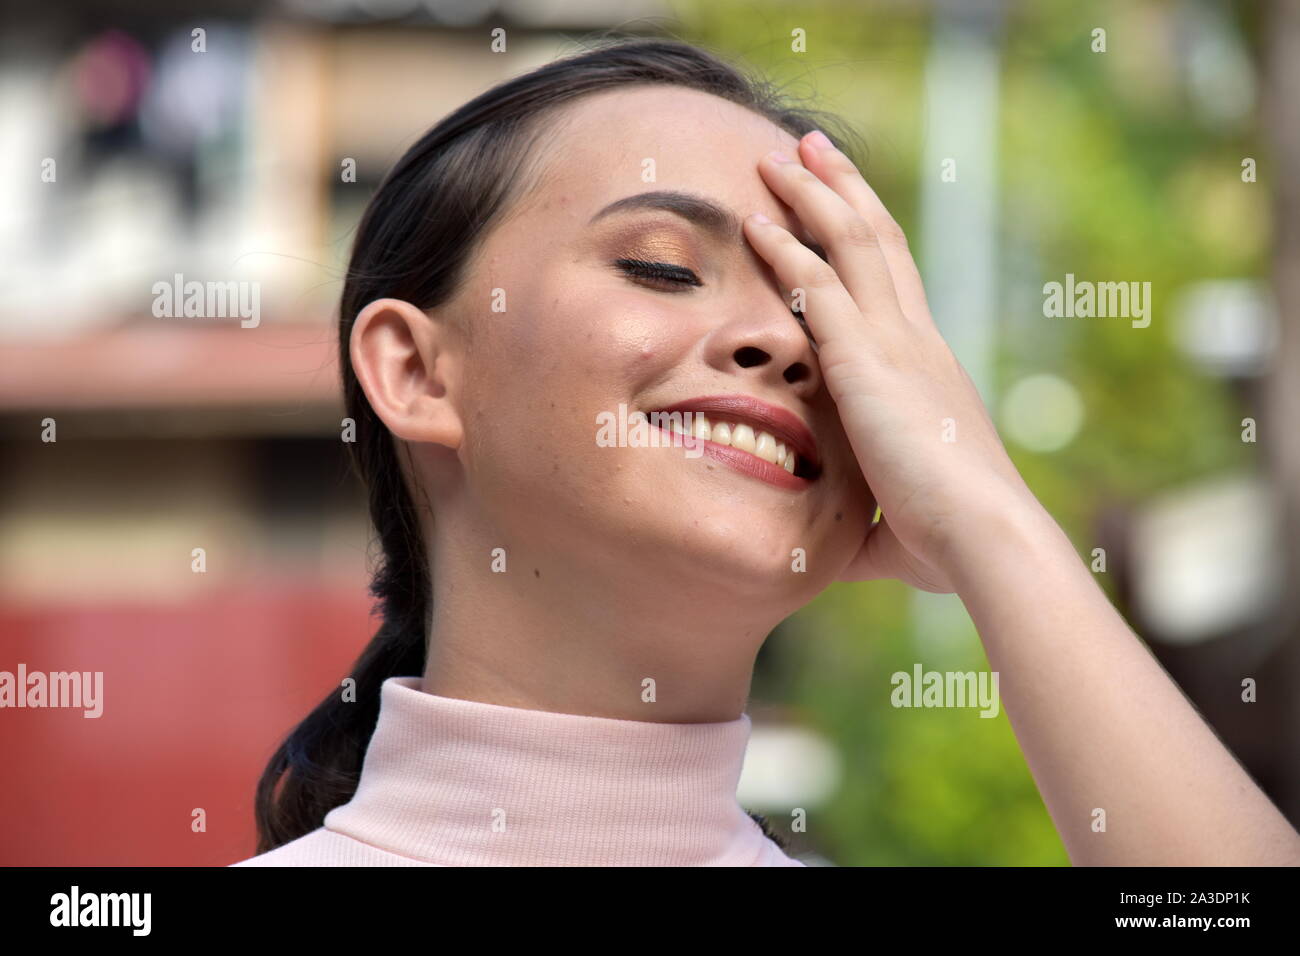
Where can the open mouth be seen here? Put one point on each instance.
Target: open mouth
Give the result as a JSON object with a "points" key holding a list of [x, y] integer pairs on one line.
{"points": [[746, 435]]}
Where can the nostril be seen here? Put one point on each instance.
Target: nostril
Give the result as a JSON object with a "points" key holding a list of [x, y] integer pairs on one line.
{"points": [[748, 356], [797, 372]]}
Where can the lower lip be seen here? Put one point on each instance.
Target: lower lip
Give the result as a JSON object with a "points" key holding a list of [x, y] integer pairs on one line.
{"points": [[744, 462]]}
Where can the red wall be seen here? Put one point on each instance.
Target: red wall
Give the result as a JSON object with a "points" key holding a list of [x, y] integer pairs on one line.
{"points": [[196, 696]]}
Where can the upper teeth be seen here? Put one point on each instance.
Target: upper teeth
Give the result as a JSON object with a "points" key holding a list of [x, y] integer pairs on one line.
{"points": [[741, 436]]}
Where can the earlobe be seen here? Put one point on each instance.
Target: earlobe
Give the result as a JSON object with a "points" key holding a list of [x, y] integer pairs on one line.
{"points": [[404, 361]]}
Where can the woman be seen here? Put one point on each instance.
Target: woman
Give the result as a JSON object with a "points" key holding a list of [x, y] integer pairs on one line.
{"points": [[569, 629]]}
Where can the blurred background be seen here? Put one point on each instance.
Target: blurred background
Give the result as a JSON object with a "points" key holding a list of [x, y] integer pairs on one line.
{"points": [[1014, 142]]}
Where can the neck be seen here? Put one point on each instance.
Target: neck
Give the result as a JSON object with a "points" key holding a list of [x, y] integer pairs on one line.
{"points": [[547, 635]]}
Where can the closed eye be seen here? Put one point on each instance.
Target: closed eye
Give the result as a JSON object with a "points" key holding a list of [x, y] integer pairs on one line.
{"points": [[665, 272], [662, 272]]}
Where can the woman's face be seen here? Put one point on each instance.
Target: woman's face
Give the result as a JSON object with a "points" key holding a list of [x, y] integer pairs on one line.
{"points": [[580, 335]]}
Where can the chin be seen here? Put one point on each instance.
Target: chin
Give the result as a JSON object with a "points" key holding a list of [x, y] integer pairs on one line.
{"points": [[741, 559]]}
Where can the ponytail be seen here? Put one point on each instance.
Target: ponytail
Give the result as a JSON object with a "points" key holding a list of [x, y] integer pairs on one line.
{"points": [[319, 764]]}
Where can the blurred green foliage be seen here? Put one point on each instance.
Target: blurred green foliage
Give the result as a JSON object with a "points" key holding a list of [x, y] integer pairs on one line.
{"points": [[1107, 170]]}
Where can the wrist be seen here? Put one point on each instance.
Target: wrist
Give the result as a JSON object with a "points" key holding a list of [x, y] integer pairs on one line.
{"points": [[1001, 533]]}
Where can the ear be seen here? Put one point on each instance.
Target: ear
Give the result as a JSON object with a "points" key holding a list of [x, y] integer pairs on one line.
{"points": [[406, 364]]}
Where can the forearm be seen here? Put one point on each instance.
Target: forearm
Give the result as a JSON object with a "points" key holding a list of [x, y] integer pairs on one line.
{"points": [[1101, 724]]}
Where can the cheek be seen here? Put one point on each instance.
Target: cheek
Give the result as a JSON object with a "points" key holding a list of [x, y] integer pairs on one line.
{"points": [[533, 389], [602, 347], [854, 509], [585, 322], [622, 334]]}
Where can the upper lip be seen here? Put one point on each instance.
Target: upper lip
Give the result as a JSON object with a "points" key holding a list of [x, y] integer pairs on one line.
{"points": [[780, 423]]}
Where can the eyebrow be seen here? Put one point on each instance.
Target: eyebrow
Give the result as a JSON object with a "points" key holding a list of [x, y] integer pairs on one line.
{"points": [[713, 217]]}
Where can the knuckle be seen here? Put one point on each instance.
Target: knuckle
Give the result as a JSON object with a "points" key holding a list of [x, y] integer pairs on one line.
{"points": [[856, 231], [803, 173], [820, 277], [891, 232]]}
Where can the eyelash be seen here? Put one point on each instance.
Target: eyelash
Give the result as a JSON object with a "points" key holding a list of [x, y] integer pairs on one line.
{"points": [[667, 272], [659, 272]]}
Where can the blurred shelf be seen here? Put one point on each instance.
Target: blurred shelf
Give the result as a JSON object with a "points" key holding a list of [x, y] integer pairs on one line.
{"points": [[280, 369]]}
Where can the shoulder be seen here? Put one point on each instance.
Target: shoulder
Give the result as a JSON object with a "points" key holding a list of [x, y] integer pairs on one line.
{"points": [[325, 847], [773, 852], [775, 855]]}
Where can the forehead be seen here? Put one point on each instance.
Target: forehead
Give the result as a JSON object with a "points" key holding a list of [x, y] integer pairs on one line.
{"points": [[652, 119], [609, 145]]}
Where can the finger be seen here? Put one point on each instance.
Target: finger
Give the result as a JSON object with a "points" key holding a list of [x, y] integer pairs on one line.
{"points": [[830, 311], [852, 246], [838, 171]]}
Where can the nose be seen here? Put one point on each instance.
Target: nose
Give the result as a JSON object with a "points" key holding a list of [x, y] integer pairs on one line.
{"points": [[771, 342]]}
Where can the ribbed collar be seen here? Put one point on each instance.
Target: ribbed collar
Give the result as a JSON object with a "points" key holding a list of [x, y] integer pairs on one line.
{"points": [[466, 783]]}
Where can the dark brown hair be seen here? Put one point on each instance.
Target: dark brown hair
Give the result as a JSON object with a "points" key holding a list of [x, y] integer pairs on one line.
{"points": [[414, 242]]}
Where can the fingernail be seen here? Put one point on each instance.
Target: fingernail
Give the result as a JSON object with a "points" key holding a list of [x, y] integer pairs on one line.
{"points": [[780, 157], [759, 217], [820, 140]]}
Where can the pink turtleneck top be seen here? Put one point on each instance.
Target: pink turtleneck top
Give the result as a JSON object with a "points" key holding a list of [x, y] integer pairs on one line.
{"points": [[451, 782]]}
